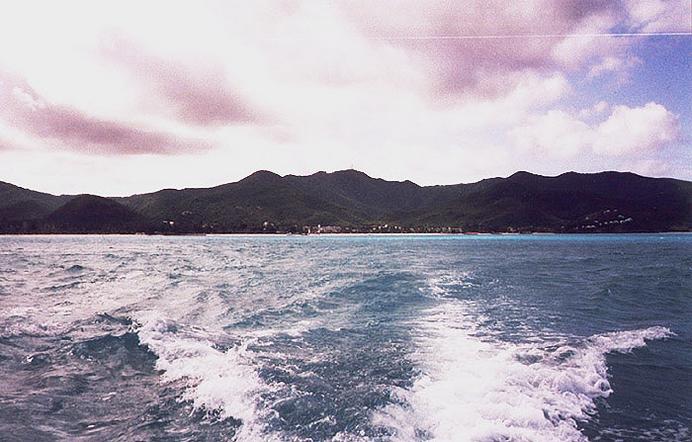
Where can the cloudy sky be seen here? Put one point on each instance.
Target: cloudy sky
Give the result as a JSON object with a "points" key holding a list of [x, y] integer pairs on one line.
{"points": [[116, 98]]}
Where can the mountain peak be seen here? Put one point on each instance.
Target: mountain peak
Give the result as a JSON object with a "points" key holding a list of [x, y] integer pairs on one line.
{"points": [[522, 174], [261, 175]]}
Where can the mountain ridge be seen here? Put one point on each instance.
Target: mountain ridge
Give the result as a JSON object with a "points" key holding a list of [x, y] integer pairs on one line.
{"points": [[352, 201]]}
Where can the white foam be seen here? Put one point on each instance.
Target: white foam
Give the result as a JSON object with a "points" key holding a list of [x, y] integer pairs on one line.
{"points": [[472, 388], [438, 285], [213, 380]]}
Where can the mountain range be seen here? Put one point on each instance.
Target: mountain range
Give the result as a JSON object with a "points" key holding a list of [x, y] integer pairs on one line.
{"points": [[351, 201]]}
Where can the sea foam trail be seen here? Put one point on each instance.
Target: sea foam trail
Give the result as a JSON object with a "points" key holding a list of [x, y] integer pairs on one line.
{"points": [[223, 381], [476, 389]]}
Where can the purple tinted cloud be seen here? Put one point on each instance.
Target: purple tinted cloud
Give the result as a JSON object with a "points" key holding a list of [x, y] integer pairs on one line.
{"points": [[497, 37], [201, 95], [27, 111], [574, 10], [5, 144]]}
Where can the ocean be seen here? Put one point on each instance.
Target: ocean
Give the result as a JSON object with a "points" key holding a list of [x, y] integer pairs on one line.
{"points": [[346, 338]]}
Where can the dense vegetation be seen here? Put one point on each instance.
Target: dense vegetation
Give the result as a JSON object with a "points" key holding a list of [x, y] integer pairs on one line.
{"points": [[352, 201]]}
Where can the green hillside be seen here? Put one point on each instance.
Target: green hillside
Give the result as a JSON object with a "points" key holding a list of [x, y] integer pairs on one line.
{"points": [[353, 201]]}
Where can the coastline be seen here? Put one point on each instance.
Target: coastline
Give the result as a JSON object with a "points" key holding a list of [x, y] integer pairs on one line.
{"points": [[354, 234]]}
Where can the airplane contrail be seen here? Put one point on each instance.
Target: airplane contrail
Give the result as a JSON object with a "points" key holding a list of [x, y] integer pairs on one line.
{"points": [[520, 36]]}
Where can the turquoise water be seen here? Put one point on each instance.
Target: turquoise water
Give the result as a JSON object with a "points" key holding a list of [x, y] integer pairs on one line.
{"points": [[525, 337]]}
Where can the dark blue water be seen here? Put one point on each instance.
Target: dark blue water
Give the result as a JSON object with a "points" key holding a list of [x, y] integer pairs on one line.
{"points": [[346, 338]]}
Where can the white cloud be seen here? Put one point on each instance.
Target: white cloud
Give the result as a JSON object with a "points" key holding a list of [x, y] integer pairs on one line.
{"points": [[619, 67], [632, 131], [554, 133], [600, 107], [636, 130], [574, 51]]}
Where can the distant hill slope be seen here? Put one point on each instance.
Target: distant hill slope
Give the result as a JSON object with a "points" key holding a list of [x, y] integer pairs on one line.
{"points": [[265, 202], [18, 204], [243, 206], [570, 201], [90, 214]]}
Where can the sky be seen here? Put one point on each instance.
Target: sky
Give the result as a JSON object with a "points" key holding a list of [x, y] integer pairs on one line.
{"points": [[116, 98]]}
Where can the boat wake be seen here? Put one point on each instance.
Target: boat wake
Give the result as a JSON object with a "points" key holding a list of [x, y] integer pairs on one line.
{"points": [[220, 381], [474, 387]]}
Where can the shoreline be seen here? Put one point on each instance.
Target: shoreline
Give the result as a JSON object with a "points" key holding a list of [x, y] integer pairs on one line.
{"points": [[358, 234]]}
